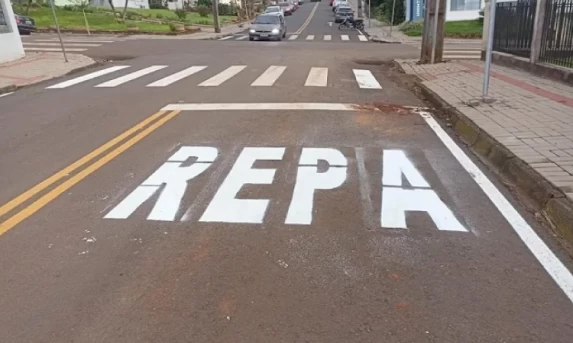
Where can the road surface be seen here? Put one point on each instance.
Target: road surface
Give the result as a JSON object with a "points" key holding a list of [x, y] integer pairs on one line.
{"points": [[224, 191]]}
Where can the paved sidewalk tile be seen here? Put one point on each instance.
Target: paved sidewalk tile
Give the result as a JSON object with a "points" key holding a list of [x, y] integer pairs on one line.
{"points": [[532, 116], [37, 67]]}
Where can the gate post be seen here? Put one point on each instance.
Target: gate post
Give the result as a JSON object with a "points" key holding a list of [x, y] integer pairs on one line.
{"points": [[537, 31]]}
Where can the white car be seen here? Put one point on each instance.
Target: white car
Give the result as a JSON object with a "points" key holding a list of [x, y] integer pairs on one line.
{"points": [[336, 3], [275, 9]]}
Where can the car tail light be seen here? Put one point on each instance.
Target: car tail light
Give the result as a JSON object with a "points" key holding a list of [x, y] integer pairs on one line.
{"points": [[18, 20]]}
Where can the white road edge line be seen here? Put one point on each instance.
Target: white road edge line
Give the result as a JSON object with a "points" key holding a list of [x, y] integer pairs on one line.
{"points": [[317, 106], [554, 267], [6, 94]]}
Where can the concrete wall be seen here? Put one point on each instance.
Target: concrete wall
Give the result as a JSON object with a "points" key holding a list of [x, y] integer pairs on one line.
{"points": [[10, 42]]}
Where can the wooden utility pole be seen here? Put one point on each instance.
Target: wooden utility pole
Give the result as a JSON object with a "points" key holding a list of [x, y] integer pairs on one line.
{"points": [[433, 39], [216, 23]]}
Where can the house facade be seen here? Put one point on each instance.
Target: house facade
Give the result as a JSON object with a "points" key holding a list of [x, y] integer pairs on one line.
{"points": [[455, 9], [10, 42]]}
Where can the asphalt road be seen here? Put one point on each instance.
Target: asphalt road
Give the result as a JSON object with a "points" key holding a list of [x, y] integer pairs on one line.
{"points": [[211, 191], [313, 23]]}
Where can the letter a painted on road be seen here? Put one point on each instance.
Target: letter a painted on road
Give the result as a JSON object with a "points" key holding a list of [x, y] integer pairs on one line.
{"points": [[175, 178]]}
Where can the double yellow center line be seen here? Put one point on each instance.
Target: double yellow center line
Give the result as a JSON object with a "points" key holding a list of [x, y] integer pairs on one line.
{"points": [[300, 29], [137, 133]]}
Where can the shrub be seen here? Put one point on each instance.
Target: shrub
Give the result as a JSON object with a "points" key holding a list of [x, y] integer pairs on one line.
{"points": [[481, 14], [172, 27], [206, 3], [157, 5], [415, 28], [181, 14], [159, 16], [68, 8], [203, 11]]}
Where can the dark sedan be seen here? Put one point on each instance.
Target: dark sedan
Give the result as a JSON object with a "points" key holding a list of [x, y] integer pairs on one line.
{"points": [[25, 24]]}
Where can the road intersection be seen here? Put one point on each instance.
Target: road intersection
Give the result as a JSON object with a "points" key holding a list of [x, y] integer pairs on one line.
{"points": [[215, 191]]}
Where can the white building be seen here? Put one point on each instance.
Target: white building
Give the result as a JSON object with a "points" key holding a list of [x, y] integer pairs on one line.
{"points": [[10, 42]]}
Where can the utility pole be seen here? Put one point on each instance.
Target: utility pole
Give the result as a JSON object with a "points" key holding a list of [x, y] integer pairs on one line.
{"points": [[215, 4], [433, 39]]}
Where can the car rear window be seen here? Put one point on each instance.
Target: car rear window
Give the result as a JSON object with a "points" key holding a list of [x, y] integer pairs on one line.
{"points": [[345, 9], [267, 19]]}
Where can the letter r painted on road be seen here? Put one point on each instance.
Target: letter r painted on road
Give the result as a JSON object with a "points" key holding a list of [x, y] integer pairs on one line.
{"points": [[225, 207], [175, 178], [308, 180]]}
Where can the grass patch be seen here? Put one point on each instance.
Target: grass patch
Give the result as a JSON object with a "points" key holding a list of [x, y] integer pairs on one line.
{"points": [[453, 29], [102, 19]]}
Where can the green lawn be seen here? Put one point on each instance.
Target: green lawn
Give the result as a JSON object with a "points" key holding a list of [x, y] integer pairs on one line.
{"points": [[101, 19], [453, 29], [192, 17]]}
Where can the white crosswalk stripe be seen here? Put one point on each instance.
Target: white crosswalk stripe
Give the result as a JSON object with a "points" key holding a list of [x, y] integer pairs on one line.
{"points": [[166, 81], [317, 77], [293, 37], [53, 49], [222, 76], [310, 37], [58, 44], [53, 45], [327, 37], [270, 76], [129, 77], [362, 38], [225, 38], [242, 37], [75, 41], [365, 79], [344, 37], [86, 77]]}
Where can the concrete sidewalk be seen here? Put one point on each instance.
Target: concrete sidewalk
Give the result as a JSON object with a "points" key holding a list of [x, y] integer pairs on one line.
{"points": [[38, 67], [527, 133]]}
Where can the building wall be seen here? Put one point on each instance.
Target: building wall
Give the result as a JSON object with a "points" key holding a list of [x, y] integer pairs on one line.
{"points": [[463, 9], [10, 42]]}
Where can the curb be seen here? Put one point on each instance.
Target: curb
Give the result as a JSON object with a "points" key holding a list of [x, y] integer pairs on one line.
{"points": [[550, 201], [13, 88]]}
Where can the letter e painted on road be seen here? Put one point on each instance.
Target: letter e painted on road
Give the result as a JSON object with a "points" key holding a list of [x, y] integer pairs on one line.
{"points": [[175, 178], [225, 207], [308, 179]]}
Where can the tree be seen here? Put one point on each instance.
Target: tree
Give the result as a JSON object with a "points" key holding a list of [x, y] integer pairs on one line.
{"points": [[124, 11], [206, 3], [112, 7], [83, 4]]}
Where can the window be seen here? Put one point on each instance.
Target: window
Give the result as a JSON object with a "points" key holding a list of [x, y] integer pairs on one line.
{"points": [[465, 5], [4, 24]]}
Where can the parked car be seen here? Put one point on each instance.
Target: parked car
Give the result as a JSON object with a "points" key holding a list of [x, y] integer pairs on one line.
{"points": [[274, 9], [26, 25], [336, 3], [295, 4], [287, 7], [268, 26], [343, 13]]}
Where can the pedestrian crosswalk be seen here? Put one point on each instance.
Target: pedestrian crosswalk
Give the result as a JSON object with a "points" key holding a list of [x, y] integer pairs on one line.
{"points": [[71, 45], [299, 37], [204, 76]]}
